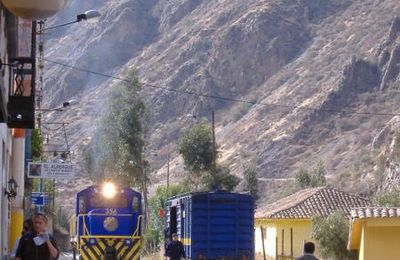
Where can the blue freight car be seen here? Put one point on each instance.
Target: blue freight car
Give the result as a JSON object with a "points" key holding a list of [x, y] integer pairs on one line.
{"points": [[216, 224]]}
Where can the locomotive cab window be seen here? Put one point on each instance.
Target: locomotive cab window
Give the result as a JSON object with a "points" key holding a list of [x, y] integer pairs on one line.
{"points": [[82, 204], [135, 204], [97, 201]]}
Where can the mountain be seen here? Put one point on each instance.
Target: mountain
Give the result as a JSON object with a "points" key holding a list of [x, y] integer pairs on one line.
{"points": [[291, 82]]}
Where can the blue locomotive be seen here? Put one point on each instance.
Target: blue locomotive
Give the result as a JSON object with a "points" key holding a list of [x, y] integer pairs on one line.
{"points": [[218, 225], [107, 223]]}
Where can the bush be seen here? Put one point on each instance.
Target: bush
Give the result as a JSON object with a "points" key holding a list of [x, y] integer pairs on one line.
{"points": [[154, 235], [331, 234], [303, 179], [388, 198]]}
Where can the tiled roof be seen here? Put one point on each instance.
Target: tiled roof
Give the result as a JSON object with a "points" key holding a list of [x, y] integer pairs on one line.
{"points": [[375, 212], [321, 201]]}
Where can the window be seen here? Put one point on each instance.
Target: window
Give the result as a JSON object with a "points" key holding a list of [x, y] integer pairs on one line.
{"points": [[97, 200], [135, 204], [82, 204]]}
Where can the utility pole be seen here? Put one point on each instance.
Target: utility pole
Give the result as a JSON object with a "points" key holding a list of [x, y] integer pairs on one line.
{"points": [[144, 173], [168, 158], [214, 152]]}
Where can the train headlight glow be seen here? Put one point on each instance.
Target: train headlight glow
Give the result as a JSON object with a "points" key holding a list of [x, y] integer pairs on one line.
{"points": [[109, 190]]}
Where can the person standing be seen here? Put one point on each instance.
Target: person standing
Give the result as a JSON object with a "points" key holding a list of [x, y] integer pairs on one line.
{"points": [[175, 250], [38, 244], [309, 249], [27, 227]]}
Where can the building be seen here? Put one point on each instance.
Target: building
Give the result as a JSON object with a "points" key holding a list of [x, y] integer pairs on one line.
{"points": [[7, 46], [375, 233], [17, 105], [286, 223]]}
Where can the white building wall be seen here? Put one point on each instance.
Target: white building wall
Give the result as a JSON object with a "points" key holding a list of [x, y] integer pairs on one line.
{"points": [[5, 156], [269, 241], [5, 144]]}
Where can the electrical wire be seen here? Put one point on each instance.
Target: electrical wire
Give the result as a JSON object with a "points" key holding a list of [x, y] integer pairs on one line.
{"points": [[217, 97]]}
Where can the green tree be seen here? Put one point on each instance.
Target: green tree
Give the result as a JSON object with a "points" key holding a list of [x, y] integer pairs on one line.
{"points": [[196, 149], [36, 144], [251, 181], [116, 150], [388, 198], [303, 179], [224, 180], [154, 236], [331, 234]]}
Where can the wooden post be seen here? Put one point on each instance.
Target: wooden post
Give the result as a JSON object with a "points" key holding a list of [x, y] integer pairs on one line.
{"points": [[283, 243], [262, 240], [291, 242]]}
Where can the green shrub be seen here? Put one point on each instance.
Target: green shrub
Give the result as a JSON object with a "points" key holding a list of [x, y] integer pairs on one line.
{"points": [[388, 198], [331, 234]]}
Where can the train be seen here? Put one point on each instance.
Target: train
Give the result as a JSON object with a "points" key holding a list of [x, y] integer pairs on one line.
{"points": [[107, 223], [217, 225]]}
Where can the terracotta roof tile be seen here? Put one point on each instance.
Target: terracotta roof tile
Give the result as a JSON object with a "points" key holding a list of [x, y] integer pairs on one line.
{"points": [[375, 212], [321, 201]]}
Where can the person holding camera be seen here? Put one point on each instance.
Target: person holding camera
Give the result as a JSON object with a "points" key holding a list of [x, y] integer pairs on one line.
{"points": [[38, 244]]}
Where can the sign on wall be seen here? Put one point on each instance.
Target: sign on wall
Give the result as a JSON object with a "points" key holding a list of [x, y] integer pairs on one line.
{"points": [[50, 170]]}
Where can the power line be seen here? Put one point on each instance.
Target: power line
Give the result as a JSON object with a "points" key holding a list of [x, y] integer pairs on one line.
{"points": [[193, 93]]}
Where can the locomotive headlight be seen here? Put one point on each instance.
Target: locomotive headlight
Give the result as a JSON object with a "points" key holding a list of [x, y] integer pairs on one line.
{"points": [[109, 190]]}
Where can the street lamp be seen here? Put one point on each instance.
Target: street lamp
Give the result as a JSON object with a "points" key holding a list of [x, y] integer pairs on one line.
{"points": [[12, 189], [65, 104], [90, 15]]}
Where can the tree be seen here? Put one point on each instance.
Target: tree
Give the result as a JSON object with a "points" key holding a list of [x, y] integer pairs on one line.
{"points": [[331, 233], [196, 149], [116, 150], [251, 181], [155, 234], [223, 178], [36, 144]]}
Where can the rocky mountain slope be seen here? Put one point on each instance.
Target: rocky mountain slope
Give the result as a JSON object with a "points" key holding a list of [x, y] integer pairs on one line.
{"points": [[291, 82]]}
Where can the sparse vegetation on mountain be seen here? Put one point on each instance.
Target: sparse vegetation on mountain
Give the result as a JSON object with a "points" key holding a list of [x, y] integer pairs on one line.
{"points": [[304, 179]]}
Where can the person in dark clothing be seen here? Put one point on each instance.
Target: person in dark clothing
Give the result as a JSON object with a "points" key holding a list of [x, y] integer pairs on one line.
{"points": [[175, 250], [27, 227], [38, 244], [309, 249]]}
